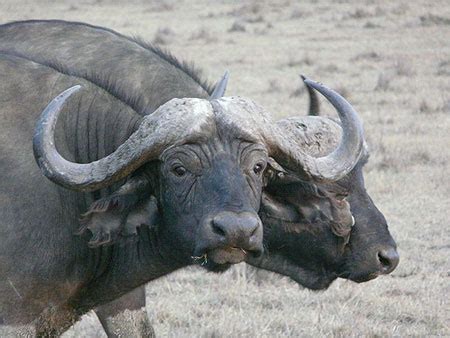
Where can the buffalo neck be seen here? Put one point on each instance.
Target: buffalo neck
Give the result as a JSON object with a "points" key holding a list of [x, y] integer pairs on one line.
{"points": [[122, 267], [95, 126]]}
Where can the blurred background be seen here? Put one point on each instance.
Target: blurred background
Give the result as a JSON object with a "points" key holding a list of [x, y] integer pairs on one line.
{"points": [[391, 60]]}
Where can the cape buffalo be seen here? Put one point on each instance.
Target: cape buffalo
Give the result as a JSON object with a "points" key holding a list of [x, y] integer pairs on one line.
{"points": [[186, 152], [131, 57]]}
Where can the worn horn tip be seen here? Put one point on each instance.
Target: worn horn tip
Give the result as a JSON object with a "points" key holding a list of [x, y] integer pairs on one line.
{"points": [[74, 88], [225, 78], [68, 92], [303, 77], [309, 82], [220, 87], [316, 85]]}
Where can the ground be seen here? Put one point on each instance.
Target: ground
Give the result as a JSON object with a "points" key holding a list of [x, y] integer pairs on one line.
{"points": [[391, 59]]}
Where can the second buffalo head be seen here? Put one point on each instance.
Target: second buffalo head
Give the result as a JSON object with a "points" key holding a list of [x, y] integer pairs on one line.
{"points": [[316, 232]]}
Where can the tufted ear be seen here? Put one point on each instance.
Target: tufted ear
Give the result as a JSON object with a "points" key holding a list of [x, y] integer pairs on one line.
{"points": [[299, 206], [279, 215], [276, 175], [145, 213], [273, 208], [289, 215], [115, 217]]}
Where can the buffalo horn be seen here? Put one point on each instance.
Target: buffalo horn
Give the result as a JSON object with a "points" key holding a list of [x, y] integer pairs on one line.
{"points": [[173, 123], [338, 163], [221, 87]]}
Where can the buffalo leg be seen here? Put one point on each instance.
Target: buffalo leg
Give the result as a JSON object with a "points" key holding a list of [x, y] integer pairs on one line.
{"points": [[126, 316]]}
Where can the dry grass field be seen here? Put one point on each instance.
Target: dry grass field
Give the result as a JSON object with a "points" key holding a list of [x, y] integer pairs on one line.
{"points": [[391, 59]]}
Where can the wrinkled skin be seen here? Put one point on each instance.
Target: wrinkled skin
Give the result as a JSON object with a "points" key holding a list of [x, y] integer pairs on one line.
{"points": [[182, 180]]}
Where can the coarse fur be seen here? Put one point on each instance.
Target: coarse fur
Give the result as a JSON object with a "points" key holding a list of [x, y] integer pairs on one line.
{"points": [[114, 74]]}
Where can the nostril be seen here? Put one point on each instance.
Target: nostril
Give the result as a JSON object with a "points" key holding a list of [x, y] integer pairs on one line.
{"points": [[385, 262], [217, 229], [388, 259]]}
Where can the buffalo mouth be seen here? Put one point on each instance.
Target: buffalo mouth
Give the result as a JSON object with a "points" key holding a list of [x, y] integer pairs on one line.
{"points": [[227, 255], [219, 259]]}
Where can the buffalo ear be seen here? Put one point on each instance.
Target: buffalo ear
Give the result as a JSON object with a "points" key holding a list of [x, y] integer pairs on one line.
{"points": [[116, 217], [286, 216], [281, 210], [298, 204], [117, 222], [276, 175], [146, 213]]}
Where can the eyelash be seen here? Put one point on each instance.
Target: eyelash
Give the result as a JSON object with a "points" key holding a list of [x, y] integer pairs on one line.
{"points": [[179, 170]]}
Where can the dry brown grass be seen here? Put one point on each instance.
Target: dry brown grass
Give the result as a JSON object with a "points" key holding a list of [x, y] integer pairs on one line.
{"points": [[407, 174], [384, 81]]}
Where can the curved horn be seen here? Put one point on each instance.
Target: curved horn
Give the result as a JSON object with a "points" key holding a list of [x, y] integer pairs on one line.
{"points": [[172, 123], [314, 105], [335, 165], [221, 87]]}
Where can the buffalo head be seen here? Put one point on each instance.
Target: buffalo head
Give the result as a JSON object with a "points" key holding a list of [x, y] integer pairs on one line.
{"points": [[317, 232], [204, 160]]}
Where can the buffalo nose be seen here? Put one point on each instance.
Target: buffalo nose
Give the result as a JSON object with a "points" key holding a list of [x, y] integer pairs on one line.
{"points": [[388, 259], [243, 230]]}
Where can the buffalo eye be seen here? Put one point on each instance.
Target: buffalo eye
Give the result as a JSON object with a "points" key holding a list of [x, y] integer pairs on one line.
{"points": [[179, 171], [258, 168]]}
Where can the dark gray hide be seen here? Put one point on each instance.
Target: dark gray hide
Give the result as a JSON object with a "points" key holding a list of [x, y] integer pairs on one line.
{"points": [[53, 45], [127, 68]]}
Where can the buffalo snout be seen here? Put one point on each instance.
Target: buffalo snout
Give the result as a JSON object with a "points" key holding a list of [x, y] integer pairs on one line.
{"points": [[228, 237], [241, 230], [377, 260]]}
